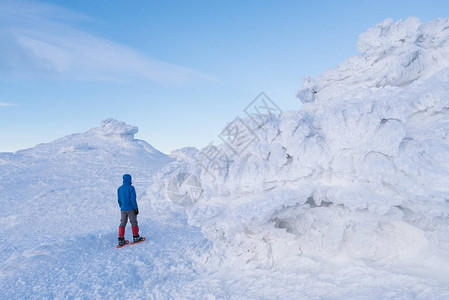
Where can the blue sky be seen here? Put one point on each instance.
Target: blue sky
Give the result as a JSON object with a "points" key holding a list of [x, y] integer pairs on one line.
{"points": [[179, 70]]}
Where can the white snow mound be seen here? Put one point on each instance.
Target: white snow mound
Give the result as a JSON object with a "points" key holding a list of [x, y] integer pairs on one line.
{"points": [[113, 128], [359, 173]]}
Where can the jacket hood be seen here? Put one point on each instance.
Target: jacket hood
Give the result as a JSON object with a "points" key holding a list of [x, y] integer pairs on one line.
{"points": [[126, 179]]}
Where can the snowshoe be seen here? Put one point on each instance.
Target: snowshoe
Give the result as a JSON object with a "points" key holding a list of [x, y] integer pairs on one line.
{"points": [[122, 242], [138, 238]]}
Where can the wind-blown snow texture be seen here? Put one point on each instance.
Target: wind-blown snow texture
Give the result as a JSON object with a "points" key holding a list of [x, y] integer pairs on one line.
{"points": [[357, 178], [346, 198]]}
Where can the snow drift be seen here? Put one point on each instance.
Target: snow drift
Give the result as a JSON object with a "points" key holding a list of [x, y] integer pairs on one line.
{"points": [[358, 174]]}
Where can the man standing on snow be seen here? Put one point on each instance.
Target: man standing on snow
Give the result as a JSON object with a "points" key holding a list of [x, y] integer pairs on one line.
{"points": [[128, 206]]}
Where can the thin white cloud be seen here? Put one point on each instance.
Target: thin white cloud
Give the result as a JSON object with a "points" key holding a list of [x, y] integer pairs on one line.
{"points": [[41, 40], [2, 104]]}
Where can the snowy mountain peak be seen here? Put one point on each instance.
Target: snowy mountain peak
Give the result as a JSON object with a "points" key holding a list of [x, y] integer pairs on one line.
{"points": [[114, 135], [393, 55], [112, 128], [78, 172]]}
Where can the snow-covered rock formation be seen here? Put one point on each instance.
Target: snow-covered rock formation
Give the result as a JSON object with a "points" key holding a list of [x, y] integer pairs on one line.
{"points": [[392, 56], [359, 173]]}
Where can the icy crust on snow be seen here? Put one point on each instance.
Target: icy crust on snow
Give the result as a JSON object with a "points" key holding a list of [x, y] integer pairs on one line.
{"points": [[359, 173], [393, 55]]}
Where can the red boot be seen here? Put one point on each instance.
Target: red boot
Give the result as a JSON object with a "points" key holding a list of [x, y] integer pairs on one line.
{"points": [[121, 236], [121, 232]]}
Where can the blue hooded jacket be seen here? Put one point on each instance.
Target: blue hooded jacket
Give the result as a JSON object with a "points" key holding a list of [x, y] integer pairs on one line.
{"points": [[127, 195]]}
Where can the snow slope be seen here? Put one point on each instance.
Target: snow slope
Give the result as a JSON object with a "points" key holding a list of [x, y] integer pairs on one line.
{"points": [[74, 176], [344, 199], [59, 219]]}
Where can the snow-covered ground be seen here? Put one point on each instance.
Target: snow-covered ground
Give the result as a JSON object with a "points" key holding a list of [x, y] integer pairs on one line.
{"points": [[347, 198]]}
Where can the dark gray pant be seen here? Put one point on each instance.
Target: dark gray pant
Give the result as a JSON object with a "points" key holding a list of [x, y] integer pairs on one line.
{"points": [[128, 214]]}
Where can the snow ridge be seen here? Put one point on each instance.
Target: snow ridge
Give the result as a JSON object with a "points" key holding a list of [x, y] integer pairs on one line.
{"points": [[393, 55]]}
